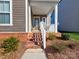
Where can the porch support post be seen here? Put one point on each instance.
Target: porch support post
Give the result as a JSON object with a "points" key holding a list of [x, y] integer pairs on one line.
{"points": [[56, 18], [26, 15], [29, 18]]}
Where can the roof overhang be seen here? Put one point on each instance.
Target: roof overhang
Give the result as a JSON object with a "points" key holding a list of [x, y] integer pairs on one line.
{"points": [[42, 7]]}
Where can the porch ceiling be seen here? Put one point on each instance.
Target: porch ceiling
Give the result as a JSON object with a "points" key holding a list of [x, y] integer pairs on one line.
{"points": [[46, 0], [42, 7]]}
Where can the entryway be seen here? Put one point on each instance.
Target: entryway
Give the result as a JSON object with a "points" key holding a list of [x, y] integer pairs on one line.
{"points": [[36, 22]]}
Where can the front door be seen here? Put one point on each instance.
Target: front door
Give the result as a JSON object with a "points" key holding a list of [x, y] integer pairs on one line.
{"points": [[36, 21]]}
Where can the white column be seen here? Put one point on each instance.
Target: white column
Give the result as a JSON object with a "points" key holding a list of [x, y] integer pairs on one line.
{"points": [[56, 18], [26, 15], [29, 18]]}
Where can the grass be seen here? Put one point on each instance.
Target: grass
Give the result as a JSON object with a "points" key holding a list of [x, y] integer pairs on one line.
{"points": [[74, 36]]}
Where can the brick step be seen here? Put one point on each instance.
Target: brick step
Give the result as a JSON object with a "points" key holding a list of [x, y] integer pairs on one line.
{"points": [[37, 38]]}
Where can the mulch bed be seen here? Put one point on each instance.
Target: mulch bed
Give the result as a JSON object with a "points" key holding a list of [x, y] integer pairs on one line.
{"points": [[70, 52], [14, 55], [22, 47]]}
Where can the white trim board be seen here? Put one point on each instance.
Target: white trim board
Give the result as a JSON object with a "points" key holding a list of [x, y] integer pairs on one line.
{"points": [[26, 15]]}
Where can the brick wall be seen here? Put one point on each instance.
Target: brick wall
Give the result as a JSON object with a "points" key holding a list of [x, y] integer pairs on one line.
{"points": [[21, 36]]}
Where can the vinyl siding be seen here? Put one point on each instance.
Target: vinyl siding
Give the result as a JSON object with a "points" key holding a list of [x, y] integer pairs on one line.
{"points": [[18, 17], [69, 15]]}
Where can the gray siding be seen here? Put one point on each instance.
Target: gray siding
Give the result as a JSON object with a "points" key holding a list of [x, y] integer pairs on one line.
{"points": [[18, 18], [69, 15]]}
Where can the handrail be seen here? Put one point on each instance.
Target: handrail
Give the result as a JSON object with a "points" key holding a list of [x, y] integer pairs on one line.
{"points": [[43, 32]]}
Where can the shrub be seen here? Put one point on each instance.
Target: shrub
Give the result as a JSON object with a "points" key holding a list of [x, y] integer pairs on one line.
{"points": [[65, 36], [51, 36], [59, 48], [10, 44]]}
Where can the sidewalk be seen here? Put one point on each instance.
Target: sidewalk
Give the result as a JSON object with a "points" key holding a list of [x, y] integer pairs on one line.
{"points": [[34, 54]]}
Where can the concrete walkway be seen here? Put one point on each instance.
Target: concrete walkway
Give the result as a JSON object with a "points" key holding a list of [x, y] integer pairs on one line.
{"points": [[34, 54]]}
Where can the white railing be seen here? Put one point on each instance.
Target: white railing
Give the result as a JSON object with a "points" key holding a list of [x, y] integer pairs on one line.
{"points": [[43, 32]]}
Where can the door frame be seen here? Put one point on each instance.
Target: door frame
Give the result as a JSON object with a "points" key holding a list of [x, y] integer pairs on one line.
{"points": [[34, 18]]}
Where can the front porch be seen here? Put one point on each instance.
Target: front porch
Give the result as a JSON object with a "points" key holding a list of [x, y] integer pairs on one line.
{"points": [[41, 10]]}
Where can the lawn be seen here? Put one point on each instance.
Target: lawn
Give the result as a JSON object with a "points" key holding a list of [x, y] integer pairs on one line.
{"points": [[74, 36]]}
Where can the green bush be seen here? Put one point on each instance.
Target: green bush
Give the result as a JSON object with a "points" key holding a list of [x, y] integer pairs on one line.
{"points": [[51, 36], [65, 36], [10, 44]]}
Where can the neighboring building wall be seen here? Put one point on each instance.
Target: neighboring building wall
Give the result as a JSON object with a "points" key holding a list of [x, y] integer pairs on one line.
{"points": [[18, 18], [69, 15]]}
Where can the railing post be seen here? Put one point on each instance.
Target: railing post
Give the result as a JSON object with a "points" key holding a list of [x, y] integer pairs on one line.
{"points": [[43, 32], [44, 39]]}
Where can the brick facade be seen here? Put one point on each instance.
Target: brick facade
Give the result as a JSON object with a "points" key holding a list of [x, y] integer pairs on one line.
{"points": [[21, 36]]}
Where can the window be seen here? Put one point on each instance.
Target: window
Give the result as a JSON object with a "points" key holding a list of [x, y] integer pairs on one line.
{"points": [[44, 20], [5, 12]]}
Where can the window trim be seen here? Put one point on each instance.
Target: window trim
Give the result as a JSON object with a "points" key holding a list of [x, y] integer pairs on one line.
{"points": [[11, 21]]}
